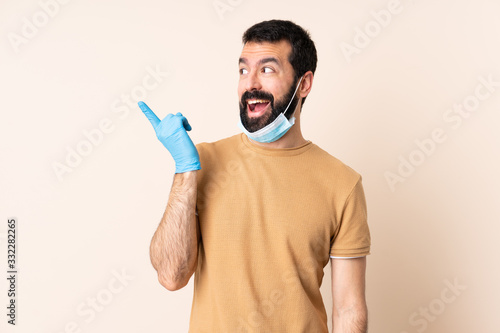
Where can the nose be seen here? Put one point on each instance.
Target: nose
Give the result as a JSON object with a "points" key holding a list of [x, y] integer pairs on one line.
{"points": [[253, 81]]}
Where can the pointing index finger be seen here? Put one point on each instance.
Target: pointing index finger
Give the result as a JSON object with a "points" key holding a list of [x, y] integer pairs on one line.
{"points": [[153, 119]]}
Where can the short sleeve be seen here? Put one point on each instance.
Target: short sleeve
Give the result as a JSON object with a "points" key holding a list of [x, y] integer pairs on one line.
{"points": [[352, 237]]}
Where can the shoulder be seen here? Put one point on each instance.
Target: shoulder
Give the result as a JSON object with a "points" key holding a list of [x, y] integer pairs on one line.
{"points": [[329, 164], [219, 145], [213, 154]]}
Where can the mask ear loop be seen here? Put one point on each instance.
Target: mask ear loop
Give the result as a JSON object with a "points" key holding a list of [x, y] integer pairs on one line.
{"points": [[298, 84]]}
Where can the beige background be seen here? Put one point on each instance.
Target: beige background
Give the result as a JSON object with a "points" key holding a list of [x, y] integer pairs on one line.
{"points": [[438, 227]]}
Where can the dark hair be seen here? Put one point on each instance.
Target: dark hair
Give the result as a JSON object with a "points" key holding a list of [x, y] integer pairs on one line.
{"points": [[303, 57]]}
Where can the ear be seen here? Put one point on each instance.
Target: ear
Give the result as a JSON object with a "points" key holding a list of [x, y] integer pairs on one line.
{"points": [[306, 84]]}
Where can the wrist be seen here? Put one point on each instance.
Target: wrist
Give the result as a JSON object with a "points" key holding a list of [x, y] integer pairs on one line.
{"points": [[187, 167]]}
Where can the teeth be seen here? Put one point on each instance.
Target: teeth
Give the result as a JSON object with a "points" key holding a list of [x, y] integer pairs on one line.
{"points": [[255, 101]]}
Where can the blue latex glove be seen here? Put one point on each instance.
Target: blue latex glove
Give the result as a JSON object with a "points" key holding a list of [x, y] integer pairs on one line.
{"points": [[171, 132]]}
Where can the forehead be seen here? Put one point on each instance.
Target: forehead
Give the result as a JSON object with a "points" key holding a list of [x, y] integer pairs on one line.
{"points": [[254, 51]]}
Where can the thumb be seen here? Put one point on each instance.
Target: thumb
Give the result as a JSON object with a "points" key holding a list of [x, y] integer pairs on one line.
{"points": [[185, 122]]}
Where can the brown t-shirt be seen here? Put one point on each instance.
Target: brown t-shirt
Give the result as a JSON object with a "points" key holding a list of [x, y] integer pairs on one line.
{"points": [[270, 219]]}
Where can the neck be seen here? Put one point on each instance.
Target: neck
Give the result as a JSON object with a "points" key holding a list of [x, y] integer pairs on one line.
{"points": [[293, 138]]}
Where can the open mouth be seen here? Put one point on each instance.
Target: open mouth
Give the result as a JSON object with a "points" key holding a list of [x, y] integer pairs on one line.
{"points": [[257, 106]]}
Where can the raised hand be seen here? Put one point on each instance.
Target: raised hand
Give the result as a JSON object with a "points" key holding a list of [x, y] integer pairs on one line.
{"points": [[171, 132]]}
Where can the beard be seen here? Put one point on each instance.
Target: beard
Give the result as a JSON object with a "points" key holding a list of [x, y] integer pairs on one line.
{"points": [[255, 124]]}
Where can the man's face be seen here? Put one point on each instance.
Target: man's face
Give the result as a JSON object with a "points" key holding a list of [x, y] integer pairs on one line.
{"points": [[266, 83]]}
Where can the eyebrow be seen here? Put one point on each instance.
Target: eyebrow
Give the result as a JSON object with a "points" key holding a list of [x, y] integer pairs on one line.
{"points": [[261, 61]]}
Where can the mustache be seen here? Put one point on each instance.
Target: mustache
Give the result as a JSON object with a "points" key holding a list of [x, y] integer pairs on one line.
{"points": [[257, 94]]}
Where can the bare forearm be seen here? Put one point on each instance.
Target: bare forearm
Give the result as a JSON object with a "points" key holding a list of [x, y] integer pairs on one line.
{"points": [[174, 247], [353, 320]]}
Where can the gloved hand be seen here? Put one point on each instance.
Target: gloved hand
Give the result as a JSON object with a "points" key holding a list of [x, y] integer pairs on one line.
{"points": [[171, 132]]}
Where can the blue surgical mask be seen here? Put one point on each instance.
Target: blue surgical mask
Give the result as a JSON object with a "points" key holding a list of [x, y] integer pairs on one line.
{"points": [[275, 130]]}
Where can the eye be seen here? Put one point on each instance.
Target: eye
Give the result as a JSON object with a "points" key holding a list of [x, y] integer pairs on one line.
{"points": [[268, 70], [243, 71]]}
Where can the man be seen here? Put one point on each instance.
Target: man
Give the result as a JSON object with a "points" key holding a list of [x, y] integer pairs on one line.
{"points": [[257, 216]]}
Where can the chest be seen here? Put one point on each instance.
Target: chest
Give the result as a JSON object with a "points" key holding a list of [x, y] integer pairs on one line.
{"points": [[265, 210]]}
